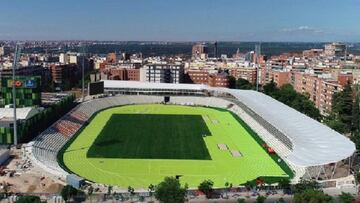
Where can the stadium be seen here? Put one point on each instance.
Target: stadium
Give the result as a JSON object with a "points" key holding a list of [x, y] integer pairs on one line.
{"points": [[135, 134]]}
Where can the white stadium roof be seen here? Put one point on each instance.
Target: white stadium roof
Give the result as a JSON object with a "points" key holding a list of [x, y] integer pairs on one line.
{"points": [[313, 143], [21, 113]]}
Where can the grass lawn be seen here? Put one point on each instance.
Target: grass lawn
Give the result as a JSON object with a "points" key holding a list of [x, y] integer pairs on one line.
{"points": [[152, 136], [138, 145]]}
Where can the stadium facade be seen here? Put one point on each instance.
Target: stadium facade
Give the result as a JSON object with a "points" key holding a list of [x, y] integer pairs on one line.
{"points": [[311, 149]]}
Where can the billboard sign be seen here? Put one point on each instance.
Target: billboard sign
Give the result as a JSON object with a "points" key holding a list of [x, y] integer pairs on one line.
{"points": [[22, 83]]}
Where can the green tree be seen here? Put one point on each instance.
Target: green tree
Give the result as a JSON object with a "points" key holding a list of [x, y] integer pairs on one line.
{"points": [[241, 200], [249, 185], [109, 190], [346, 197], [228, 186], [29, 199], [355, 137], [357, 177], [131, 191], [151, 189], [312, 196], [356, 114], [342, 107], [170, 191], [284, 183], [306, 185], [243, 84], [271, 88], [206, 187], [232, 82], [260, 199], [335, 124], [68, 192]]}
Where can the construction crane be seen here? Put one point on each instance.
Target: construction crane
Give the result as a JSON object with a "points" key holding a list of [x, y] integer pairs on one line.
{"points": [[14, 67]]}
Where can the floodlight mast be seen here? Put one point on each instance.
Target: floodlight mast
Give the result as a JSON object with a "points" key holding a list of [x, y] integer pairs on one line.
{"points": [[14, 67], [83, 50]]}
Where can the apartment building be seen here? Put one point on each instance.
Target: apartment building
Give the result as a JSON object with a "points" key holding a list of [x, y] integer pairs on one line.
{"points": [[162, 73]]}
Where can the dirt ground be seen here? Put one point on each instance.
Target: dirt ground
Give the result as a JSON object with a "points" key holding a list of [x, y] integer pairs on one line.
{"points": [[19, 175]]}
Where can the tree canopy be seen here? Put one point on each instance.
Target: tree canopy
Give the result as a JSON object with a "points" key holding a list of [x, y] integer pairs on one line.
{"points": [[170, 191], [29, 199], [346, 197], [243, 84], [206, 187], [68, 192], [312, 196]]}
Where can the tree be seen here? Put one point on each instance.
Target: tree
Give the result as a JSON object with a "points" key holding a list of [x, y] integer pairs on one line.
{"points": [[68, 192], [284, 183], [109, 190], [312, 195], [357, 177], [131, 191], [306, 185], [335, 124], [270, 88], [241, 200], [29, 199], [170, 191], [260, 199], [356, 114], [228, 186], [90, 192], [342, 106], [151, 189], [206, 187], [243, 84], [346, 197], [355, 137], [249, 185], [232, 82]]}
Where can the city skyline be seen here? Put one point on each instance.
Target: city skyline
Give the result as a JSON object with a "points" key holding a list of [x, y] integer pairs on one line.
{"points": [[280, 21]]}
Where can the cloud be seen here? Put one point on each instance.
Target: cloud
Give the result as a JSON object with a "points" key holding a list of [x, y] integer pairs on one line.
{"points": [[302, 29]]}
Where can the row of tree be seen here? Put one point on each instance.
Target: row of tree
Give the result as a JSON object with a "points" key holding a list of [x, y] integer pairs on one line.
{"points": [[171, 191]]}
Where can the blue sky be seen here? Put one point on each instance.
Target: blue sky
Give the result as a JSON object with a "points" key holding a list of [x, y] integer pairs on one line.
{"points": [[181, 20]]}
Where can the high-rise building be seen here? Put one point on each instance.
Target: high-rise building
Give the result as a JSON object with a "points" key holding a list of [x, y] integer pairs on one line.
{"points": [[4, 50], [162, 73], [200, 50], [67, 58], [64, 76], [335, 49]]}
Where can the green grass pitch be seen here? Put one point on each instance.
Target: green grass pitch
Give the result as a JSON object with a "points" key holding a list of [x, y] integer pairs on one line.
{"points": [[165, 137], [138, 145]]}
